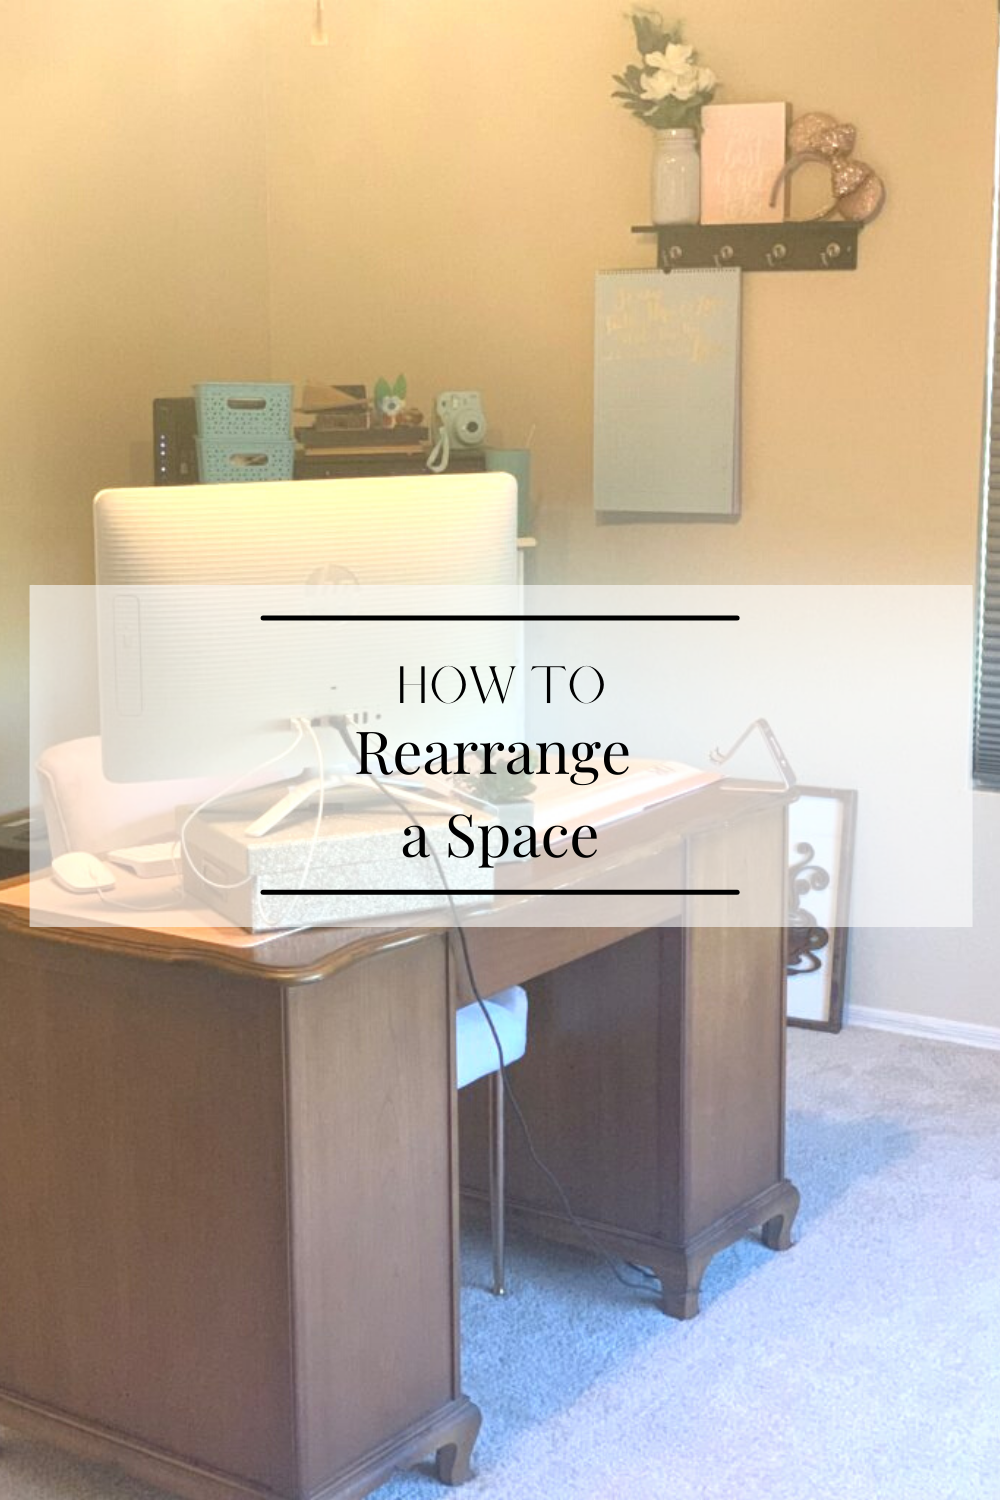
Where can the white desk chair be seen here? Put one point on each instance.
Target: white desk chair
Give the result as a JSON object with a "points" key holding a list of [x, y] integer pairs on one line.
{"points": [[86, 812], [477, 1057]]}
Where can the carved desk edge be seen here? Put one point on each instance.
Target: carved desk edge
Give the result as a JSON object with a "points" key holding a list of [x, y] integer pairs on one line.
{"points": [[306, 957]]}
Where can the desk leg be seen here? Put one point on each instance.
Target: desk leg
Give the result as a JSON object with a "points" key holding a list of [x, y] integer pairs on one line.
{"points": [[776, 1233], [454, 1457], [725, 1046], [681, 1272]]}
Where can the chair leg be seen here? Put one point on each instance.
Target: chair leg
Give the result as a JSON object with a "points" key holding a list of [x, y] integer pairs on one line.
{"points": [[496, 1147]]}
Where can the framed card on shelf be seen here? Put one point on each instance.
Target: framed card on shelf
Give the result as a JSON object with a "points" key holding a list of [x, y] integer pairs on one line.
{"points": [[742, 151]]}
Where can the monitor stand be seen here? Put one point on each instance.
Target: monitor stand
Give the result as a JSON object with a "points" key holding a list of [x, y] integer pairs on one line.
{"points": [[348, 792]]}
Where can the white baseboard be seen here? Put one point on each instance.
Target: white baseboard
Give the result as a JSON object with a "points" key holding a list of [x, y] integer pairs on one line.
{"points": [[965, 1033]]}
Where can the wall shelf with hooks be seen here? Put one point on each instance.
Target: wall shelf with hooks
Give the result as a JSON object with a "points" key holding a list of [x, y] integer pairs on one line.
{"points": [[815, 245]]}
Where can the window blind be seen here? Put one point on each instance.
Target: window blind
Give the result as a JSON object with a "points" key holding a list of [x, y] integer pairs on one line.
{"points": [[986, 721], [986, 713]]}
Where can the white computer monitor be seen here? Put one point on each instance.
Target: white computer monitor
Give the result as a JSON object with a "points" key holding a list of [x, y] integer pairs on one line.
{"points": [[192, 680]]}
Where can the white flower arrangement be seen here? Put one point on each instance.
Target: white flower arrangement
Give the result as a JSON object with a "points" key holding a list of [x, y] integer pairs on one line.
{"points": [[668, 90]]}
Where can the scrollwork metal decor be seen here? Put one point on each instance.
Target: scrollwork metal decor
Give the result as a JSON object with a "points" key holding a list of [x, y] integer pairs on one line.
{"points": [[821, 835], [806, 938]]}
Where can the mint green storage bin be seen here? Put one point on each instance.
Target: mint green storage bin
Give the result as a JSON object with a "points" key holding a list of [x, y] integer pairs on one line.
{"points": [[228, 410], [243, 461]]}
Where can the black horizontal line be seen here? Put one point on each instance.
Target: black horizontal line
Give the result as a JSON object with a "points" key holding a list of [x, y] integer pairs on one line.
{"points": [[499, 891], [519, 619]]}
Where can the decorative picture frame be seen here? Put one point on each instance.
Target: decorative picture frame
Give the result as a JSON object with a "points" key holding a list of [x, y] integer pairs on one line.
{"points": [[821, 824], [743, 151]]}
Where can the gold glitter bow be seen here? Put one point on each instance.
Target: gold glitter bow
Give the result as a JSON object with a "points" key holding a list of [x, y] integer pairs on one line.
{"points": [[858, 192]]}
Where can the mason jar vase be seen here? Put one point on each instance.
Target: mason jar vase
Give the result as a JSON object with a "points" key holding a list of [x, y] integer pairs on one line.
{"points": [[676, 182]]}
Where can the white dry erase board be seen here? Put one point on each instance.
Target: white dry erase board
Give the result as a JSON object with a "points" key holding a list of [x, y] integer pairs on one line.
{"points": [[666, 394]]}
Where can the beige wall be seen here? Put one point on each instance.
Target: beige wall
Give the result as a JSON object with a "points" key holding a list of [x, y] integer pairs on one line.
{"points": [[132, 261], [190, 190], [445, 179]]}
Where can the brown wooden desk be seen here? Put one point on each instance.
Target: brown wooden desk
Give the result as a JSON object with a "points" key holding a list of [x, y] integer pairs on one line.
{"points": [[229, 1178]]}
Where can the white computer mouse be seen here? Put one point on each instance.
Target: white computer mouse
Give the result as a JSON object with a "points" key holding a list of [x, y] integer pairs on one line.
{"points": [[83, 874]]}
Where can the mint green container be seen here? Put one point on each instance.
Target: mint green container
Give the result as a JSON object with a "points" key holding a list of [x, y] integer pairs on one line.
{"points": [[229, 411], [244, 461]]}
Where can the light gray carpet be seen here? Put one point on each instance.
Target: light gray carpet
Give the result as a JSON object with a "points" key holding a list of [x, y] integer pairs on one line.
{"points": [[863, 1365]]}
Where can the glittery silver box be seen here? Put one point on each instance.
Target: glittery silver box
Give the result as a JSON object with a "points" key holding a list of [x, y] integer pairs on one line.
{"points": [[353, 871]]}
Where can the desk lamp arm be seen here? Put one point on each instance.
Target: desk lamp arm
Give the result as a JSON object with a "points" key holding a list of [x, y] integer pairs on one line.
{"points": [[788, 776]]}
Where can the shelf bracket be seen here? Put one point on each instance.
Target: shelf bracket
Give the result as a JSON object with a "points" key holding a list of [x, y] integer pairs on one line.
{"points": [[813, 245]]}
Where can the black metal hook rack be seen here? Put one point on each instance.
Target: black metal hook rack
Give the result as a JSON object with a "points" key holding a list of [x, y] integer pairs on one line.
{"points": [[813, 245]]}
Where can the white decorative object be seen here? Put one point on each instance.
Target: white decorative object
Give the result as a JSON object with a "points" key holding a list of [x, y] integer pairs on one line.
{"points": [[676, 184], [742, 152], [667, 88]]}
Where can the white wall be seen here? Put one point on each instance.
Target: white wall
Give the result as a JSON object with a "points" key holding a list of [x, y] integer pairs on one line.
{"points": [[951, 975]]}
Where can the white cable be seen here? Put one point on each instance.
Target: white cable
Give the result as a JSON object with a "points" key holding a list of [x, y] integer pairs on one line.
{"points": [[218, 885], [321, 803], [320, 807], [171, 905], [440, 454]]}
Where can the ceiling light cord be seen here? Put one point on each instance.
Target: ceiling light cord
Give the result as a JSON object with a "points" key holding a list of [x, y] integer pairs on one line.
{"points": [[320, 37]]}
